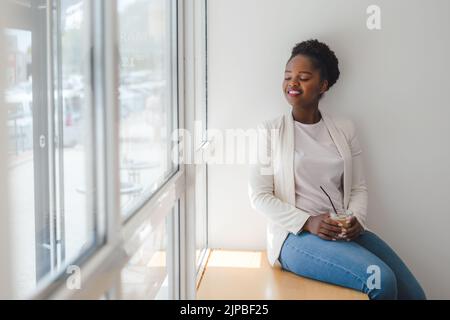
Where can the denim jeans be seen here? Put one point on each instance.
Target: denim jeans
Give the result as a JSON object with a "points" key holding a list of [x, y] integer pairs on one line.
{"points": [[366, 264]]}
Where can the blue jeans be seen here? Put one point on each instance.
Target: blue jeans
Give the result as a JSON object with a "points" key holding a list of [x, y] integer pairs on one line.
{"points": [[350, 264]]}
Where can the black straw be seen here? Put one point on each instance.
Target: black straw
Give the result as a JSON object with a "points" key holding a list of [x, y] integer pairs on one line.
{"points": [[329, 199]]}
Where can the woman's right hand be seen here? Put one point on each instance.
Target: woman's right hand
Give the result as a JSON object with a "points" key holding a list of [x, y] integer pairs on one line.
{"points": [[324, 227]]}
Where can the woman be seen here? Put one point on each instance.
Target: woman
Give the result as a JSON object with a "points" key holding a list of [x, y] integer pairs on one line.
{"points": [[316, 170]]}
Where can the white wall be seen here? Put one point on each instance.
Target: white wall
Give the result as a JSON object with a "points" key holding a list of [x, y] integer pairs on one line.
{"points": [[395, 85]]}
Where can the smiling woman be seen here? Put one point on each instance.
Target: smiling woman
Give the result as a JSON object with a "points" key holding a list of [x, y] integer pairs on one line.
{"points": [[311, 70], [313, 150]]}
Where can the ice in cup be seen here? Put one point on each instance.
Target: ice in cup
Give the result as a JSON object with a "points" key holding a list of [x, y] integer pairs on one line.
{"points": [[342, 218]]}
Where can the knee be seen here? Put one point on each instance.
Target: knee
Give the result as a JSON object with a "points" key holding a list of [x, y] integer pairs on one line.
{"points": [[414, 292], [418, 294], [382, 284]]}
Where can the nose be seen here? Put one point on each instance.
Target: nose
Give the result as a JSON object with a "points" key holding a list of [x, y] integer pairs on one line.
{"points": [[294, 83]]}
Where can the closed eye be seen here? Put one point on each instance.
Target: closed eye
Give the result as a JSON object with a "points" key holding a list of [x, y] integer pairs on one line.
{"points": [[303, 79]]}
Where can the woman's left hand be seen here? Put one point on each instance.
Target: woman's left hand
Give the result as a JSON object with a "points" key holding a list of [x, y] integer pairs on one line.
{"points": [[353, 230]]}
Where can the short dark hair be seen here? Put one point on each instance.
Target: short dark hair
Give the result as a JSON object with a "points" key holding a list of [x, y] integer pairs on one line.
{"points": [[322, 57]]}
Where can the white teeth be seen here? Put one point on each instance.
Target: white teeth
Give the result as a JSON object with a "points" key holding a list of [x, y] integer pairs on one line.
{"points": [[294, 92]]}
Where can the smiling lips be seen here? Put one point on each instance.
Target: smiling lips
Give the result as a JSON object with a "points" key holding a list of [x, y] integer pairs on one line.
{"points": [[294, 92]]}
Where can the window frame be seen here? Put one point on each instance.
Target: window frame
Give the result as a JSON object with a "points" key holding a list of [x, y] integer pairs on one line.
{"points": [[121, 241], [135, 208], [100, 269]]}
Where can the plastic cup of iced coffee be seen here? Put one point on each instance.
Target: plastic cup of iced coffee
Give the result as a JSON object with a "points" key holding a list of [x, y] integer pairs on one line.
{"points": [[342, 217]]}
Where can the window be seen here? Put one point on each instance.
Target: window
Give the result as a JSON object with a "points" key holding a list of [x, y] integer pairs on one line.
{"points": [[148, 104], [86, 127], [200, 113], [151, 271], [51, 145], [21, 165], [74, 129]]}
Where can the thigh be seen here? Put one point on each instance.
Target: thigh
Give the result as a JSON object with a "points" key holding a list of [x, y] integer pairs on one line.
{"points": [[408, 286], [338, 262]]}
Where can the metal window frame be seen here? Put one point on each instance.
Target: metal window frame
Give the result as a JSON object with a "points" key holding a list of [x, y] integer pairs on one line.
{"points": [[104, 80], [122, 241], [100, 270], [33, 18], [196, 108], [6, 286]]}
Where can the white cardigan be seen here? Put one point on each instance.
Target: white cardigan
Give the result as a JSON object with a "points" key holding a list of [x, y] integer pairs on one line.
{"points": [[272, 187]]}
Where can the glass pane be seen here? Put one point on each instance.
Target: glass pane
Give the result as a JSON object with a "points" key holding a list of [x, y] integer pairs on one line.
{"points": [[201, 221], [148, 275], [147, 104], [201, 184], [73, 122], [19, 101], [50, 150]]}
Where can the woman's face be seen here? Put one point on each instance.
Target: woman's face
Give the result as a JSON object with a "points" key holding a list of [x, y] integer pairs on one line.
{"points": [[302, 83]]}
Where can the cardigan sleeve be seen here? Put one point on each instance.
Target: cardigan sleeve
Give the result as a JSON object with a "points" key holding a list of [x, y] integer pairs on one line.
{"points": [[261, 187], [358, 195]]}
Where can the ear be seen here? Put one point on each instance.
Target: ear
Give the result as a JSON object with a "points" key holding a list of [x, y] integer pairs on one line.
{"points": [[324, 86]]}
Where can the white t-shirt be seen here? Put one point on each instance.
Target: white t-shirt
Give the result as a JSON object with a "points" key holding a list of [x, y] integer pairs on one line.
{"points": [[317, 162]]}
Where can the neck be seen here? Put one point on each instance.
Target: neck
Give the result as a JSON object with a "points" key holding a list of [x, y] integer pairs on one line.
{"points": [[306, 115]]}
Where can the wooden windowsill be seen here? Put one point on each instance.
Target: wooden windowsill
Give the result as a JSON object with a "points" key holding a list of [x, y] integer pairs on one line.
{"points": [[247, 275]]}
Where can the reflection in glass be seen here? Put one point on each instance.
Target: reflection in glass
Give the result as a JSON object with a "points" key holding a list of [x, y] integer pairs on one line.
{"points": [[49, 148], [72, 124], [201, 215], [147, 275], [147, 115], [19, 101]]}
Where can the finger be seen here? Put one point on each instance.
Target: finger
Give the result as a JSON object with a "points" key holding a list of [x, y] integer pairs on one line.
{"points": [[350, 233], [335, 227], [351, 229], [355, 225], [328, 233], [331, 227], [332, 222], [351, 239], [353, 235], [351, 221], [325, 237]]}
